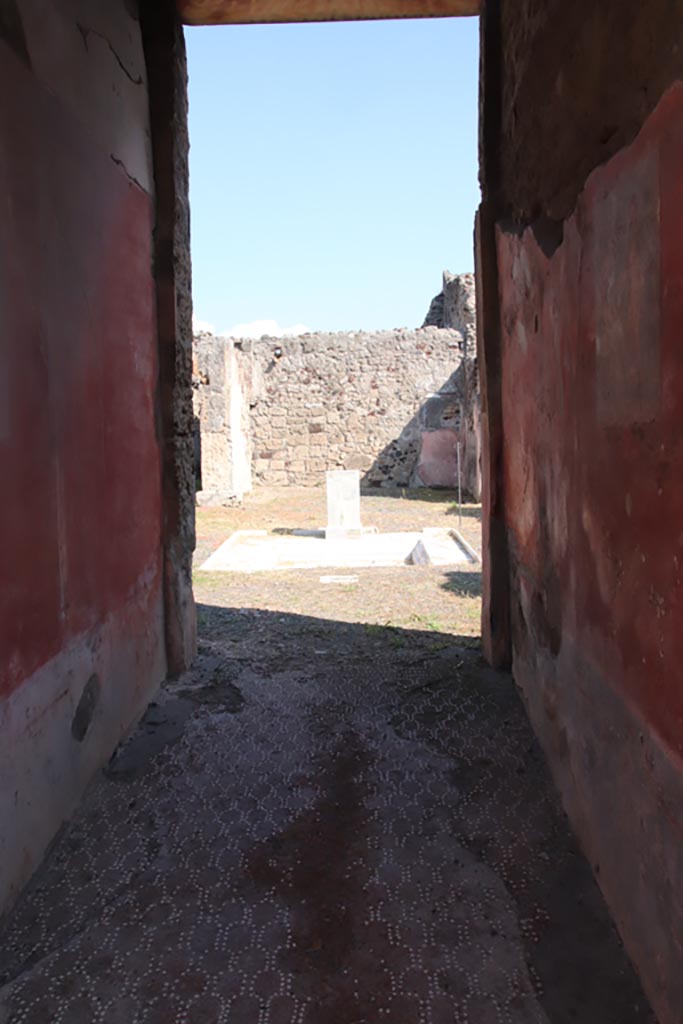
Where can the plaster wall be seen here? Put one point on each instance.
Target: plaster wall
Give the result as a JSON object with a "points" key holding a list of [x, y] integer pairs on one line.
{"points": [[81, 616], [590, 314], [222, 385]]}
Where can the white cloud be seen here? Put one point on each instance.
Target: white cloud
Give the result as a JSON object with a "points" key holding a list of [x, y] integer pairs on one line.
{"points": [[202, 325], [257, 328]]}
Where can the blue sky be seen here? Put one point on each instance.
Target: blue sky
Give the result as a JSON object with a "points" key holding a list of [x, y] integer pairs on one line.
{"points": [[333, 170]]}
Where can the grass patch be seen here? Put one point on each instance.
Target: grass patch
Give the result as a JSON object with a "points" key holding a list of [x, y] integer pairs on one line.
{"points": [[426, 622], [390, 634]]}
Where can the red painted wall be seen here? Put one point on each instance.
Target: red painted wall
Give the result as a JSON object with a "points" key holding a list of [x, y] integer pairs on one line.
{"points": [[80, 517], [592, 407], [80, 462]]}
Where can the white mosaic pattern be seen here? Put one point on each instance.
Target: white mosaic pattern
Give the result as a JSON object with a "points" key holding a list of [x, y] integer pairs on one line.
{"points": [[368, 836]]}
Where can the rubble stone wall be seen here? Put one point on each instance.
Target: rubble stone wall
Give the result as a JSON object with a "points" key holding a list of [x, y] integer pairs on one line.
{"points": [[353, 401], [392, 404]]}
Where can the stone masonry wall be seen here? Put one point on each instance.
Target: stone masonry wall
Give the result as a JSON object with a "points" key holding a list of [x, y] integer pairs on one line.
{"points": [[352, 401], [393, 404]]}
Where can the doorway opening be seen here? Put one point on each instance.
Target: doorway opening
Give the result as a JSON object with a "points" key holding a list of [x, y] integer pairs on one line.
{"points": [[328, 193]]}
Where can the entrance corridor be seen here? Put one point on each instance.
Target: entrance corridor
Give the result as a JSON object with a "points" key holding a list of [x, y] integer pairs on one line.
{"points": [[325, 822]]}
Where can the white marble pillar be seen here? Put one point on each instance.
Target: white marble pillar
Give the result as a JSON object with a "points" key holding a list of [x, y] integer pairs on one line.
{"points": [[343, 504]]}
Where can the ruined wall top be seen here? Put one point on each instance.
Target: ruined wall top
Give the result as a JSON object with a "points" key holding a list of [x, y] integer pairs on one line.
{"points": [[454, 306]]}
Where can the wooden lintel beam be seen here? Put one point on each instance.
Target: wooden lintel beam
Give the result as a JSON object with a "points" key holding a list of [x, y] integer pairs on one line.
{"points": [[245, 12]]}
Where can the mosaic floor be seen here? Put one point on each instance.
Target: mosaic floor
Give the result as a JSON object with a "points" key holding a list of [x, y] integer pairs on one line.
{"points": [[321, 825]]}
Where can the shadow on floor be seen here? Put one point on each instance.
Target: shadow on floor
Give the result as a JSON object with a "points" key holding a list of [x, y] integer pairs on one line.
{"points": [[436, 495], [322, 823], [432, 495], [462, 584], [467, 511]]}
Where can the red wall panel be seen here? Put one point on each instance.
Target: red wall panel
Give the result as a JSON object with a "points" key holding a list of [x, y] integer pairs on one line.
{"points": [[80, 516], [592, 407]]}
